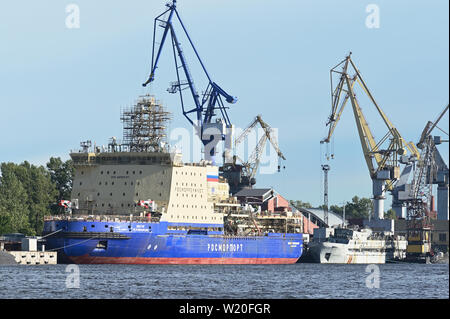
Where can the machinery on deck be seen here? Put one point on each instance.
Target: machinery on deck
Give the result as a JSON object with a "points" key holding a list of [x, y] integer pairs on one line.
{"points": [[382, 156], [209, 131], [243, 175]]}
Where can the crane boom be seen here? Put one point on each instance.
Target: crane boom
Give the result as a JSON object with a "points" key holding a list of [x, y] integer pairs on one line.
{"points": [[382, 156], [243, 175], [210, 132]]}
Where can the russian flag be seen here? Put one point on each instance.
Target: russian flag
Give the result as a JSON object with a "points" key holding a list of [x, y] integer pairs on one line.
{"points": [[212, 178]]}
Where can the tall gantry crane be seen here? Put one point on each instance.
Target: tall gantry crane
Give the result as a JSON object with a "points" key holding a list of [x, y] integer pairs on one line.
{"points": [[201, 115], [430, 169], [383, 156], [243, 175]]}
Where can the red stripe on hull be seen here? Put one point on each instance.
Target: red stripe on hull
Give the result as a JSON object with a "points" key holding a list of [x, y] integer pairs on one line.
{"points": [[180, 261]]}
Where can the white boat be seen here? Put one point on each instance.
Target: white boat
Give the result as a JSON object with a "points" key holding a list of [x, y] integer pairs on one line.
{"points": [[348, 246]]}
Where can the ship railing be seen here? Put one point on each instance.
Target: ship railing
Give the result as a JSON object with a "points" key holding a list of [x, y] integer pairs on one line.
{"points": [[102, 218]]}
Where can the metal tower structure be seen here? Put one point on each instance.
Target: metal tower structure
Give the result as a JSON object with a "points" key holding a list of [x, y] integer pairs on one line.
{"points": [[243, 175], [201, 115], [144, 125], [383, 156], [325, 169]]}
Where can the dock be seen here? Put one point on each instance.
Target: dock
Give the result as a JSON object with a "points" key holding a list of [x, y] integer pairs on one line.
{"points": [[29, 253]]}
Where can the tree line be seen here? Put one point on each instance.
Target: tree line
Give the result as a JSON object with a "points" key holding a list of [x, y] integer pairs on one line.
{"points": [[357, 208], [29, 192]]}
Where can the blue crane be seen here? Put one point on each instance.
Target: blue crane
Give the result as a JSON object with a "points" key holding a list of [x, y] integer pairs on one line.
{"points": [[202, 114]]}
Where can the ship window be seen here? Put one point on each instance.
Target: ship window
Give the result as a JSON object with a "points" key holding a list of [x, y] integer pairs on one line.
{"points": [[92, 226], [82, 172], [134, 172], [125, 183], [123, 194], [84, 228], [78, 194], [139, 183], [98, 194], [131, 183], [112, 183], [137, 194], [101, 172], [110, 194], [99, 183], [111, 229], [122, 204], [140, 172], [80, 183], [107, 172], [114, 172], [160, 194], [127, 172], [103, 204]]}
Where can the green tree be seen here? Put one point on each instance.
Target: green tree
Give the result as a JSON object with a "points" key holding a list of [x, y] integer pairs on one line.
{"points": [[13, 203], [31, 186], [357, 208], [390, 214], [300, 204], [61, 174]]}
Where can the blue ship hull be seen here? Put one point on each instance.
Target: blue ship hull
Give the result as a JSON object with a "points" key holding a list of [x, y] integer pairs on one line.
{"points": [[100, 242]]}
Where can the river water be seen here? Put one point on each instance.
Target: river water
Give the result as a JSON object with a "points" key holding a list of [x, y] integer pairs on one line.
{"points": [[297, 281]]}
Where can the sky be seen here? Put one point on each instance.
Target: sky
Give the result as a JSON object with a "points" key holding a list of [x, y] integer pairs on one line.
{"points": [[61, 85]]}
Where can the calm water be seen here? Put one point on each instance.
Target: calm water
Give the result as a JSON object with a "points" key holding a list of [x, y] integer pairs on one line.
{"points": [[226, 281]]}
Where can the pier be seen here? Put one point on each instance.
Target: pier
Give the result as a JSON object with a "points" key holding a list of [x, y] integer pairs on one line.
{"points": [[29, 253]]}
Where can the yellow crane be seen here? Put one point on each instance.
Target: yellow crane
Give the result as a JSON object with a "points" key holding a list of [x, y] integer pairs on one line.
{"points": [[383, 156]]}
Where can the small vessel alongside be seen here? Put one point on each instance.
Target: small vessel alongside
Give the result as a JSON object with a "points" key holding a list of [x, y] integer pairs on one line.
{"points": [[352, 246]]}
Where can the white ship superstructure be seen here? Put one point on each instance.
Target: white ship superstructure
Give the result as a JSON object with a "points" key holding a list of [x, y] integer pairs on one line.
{"points": [[347, 246]]}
